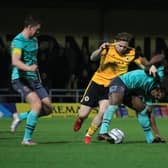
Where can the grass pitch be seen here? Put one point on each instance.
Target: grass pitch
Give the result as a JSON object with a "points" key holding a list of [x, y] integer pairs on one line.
{"points": [[60, 147]]}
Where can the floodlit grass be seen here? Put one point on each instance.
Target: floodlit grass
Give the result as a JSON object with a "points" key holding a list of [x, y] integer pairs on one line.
{"points": [[59, 147]]}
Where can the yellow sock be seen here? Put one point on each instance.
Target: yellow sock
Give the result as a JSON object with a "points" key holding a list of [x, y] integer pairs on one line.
{"points": [[92, 129]]}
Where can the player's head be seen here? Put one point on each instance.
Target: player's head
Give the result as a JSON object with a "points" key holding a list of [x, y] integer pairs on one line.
{"points": [[158, 94], [32, 25], [122, 41], [123, 36]]}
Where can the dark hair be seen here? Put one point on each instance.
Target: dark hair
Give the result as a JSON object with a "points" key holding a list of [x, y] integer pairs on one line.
{"points": [[123, 36], [31, 20]]}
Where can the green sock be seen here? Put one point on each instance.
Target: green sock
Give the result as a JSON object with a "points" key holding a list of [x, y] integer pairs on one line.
{"points": [[30, 125], [107, 117], [23, 115], [145, 124]]}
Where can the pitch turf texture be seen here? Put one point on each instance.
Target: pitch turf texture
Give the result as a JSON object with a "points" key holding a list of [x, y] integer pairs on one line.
{"points": [[59, 147]]}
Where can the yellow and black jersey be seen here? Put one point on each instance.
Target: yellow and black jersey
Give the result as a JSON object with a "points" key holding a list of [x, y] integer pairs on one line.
{"points": [[112, 64]]}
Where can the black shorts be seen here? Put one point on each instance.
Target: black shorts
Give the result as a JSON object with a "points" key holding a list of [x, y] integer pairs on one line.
{"points": [[94, 93], [26, 86]]}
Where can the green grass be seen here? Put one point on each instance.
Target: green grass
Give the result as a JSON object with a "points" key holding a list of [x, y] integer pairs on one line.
{"points": [[60, 147]]}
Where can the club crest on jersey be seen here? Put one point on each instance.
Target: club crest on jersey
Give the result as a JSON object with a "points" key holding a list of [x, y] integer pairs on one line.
{"points": [[126, 58]]}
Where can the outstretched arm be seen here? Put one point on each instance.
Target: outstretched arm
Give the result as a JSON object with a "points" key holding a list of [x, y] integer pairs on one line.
{"points": [[155, 129], [150, 66], [154, 125], [156, 59]]}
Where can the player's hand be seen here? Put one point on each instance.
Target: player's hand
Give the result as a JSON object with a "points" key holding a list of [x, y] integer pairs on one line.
{"points": [[105, 45], [153, 71], [33, 68], [159, 139]]}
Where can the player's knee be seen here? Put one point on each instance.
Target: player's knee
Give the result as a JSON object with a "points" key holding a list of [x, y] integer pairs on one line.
{"points": [[48, 109], [36, 106], [84, 112], [137, 104]]}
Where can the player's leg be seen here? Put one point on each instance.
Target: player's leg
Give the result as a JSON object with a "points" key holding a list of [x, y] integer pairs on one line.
{"points": [[15, 115], [103, 104], [42, 93], [17, 119], [143, 118], [34, 101], [36, 105], [116, 95], [88, 101], [83, 113], [107, 118], [19, 86], [41, 105], [144, 121], [114, 100], [47, 107]]}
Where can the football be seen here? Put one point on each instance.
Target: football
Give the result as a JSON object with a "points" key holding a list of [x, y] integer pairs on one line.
{"points": [[117, 134]]}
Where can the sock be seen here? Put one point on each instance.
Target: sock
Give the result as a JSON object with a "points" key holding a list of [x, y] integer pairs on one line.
{"points": [[30, 125], [107, 117], [15, 115], [92, 129], [144, 121], [23, 115]]}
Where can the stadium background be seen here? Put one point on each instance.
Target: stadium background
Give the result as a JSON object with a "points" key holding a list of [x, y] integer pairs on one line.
{"points": [[85, 25]]}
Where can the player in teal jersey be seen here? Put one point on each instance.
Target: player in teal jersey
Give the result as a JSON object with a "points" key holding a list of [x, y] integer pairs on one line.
{"points": [[25, 77], [127, 90]]}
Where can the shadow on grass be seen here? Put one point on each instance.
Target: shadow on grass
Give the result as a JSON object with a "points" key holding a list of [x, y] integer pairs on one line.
{"points": [[58, 142], [134, 142], [93, 142], [6, 135]]}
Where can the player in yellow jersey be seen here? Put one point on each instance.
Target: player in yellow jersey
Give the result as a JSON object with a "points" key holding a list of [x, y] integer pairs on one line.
{"points": [[114, 60]]}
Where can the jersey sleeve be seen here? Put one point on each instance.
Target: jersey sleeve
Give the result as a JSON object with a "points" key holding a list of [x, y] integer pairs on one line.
{"points": [[16, 47], [138, 61]]}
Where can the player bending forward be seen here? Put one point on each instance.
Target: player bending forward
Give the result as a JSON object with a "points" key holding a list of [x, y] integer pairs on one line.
{"points": [[127, 90]]}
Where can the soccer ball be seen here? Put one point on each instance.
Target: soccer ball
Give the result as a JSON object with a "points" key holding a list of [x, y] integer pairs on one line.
{"points": [[117, 135]]}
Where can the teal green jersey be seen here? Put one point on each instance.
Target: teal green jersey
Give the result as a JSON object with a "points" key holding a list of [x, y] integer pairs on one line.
{"points": [[141, 82], [29, 49]]}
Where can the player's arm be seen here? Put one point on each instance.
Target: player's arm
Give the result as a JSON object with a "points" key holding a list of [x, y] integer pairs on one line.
{"points": [[95, 56], [151, 66], [141, 62], [16, 61], [155, 128], [156, 59], [153, 123]]}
